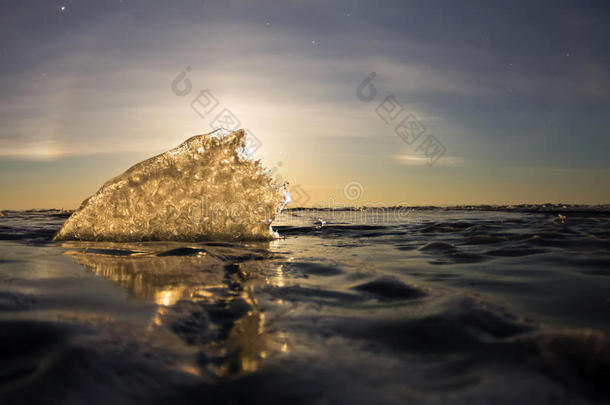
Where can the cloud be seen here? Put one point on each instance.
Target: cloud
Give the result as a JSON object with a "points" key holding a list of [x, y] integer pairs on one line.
{"points": [[419, 160], [84, 105]]}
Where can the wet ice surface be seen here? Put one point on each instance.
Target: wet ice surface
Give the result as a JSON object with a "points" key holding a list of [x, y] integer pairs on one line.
{"points": [[430, 307], [207, 188]]}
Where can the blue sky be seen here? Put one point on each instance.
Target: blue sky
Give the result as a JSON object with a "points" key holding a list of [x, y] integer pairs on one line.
{"points": [[517, 94]]}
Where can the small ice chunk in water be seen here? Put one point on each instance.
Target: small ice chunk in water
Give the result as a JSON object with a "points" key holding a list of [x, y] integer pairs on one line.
{"points": [[206, 188]]}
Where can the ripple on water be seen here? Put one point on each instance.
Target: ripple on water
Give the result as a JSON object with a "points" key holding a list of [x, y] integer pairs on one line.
{"points": [[389, 288]]}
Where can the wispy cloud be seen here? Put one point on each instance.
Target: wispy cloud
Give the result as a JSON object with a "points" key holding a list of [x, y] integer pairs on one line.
{"points": [[419, 160]]}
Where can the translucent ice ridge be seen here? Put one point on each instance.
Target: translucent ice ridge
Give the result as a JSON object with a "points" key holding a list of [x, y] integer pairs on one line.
{"points": [[207, 188]]}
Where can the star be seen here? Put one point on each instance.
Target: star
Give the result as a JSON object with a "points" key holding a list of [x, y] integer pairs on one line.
{"points": [[62, 9]]}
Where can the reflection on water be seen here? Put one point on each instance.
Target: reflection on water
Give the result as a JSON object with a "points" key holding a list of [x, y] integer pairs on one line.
{"points": [[144, 275], [204, 293]]}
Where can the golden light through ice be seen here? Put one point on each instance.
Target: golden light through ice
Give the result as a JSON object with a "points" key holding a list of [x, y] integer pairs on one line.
{"points": [[206, 188]]}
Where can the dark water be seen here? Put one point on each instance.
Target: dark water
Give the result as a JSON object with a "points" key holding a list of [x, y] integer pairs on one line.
{"points": [[372, 307]]}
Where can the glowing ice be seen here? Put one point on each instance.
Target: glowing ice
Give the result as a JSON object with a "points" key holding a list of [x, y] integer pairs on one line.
{"points": [[206, 188]]}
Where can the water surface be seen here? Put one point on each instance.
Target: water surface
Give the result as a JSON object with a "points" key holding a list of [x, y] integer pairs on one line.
{"points": [[374, 306]]}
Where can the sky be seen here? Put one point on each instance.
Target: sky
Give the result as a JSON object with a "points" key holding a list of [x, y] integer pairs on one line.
{"points": [[470, 102]]}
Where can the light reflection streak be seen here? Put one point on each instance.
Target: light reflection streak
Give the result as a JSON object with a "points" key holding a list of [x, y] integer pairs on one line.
{"points": [[198, 282]]}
